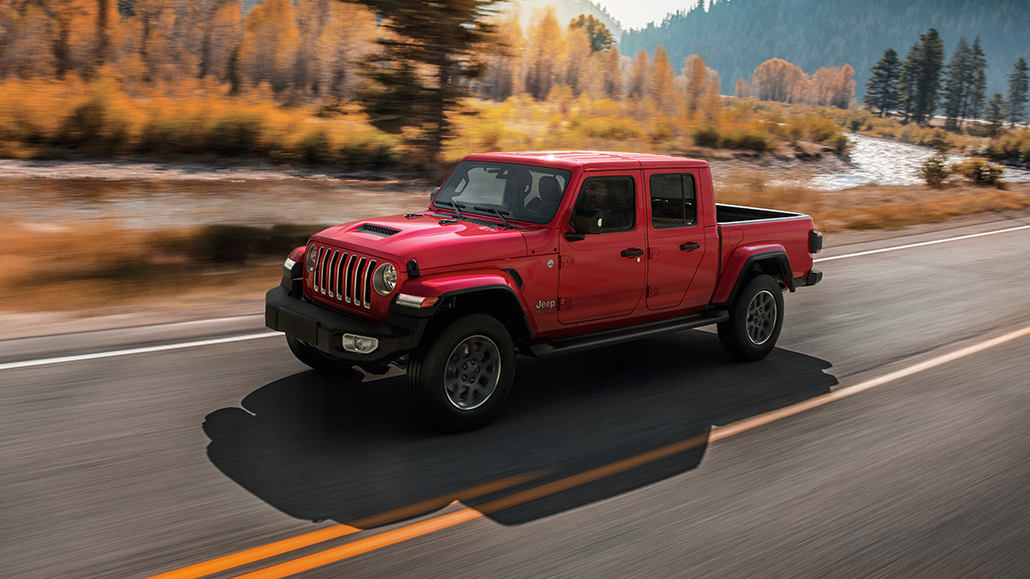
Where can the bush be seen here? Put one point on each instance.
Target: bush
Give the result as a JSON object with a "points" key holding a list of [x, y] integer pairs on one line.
{"points": [[236, 135], [978, 171], [316, 148], [707, 136], [935, 169], [749, 140]]}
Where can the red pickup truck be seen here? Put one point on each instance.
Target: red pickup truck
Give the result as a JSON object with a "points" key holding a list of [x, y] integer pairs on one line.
{"points": [[535, 253]]}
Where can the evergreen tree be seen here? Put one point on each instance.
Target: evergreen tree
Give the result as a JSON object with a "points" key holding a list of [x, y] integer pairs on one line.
{"points": [[600, 37], [908, 83], [1017, 92], [995, 113], [425, 64], [882, 89], [959, 84], [928, 83], [978, 91]]}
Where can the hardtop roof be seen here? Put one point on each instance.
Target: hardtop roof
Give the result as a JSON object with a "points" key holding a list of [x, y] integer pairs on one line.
{"points": [[589, 160]]}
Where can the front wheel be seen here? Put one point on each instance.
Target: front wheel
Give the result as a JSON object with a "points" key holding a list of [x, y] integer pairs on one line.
{"points": [[460, 380], [756, 318]]}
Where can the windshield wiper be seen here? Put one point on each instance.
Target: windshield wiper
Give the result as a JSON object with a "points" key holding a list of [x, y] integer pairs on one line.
{"points": [[457, 206], [500, 213]]}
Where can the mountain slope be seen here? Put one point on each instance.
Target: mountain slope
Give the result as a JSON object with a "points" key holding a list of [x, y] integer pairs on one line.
{"points": [[735, 36]]}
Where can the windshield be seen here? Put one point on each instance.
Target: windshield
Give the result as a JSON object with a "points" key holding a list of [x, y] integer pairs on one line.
{"points": [[520, 192]]}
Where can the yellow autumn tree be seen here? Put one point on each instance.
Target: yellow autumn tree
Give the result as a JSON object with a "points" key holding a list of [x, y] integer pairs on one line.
{"points": [[544, 53], [270, 41], [639, 75], [832, 86], [778, 80], [661, 85]]}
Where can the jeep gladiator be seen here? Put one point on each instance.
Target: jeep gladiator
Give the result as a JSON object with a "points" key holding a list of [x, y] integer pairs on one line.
{"points": [[534, 253]]}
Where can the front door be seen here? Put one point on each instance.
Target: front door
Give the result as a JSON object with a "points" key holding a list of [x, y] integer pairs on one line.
{"points": [[603, 274], [676, 241]]}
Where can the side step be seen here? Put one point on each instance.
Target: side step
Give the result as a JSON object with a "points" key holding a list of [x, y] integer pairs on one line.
{"points": [[609, 337]]}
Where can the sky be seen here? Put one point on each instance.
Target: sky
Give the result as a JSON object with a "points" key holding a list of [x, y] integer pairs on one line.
{"points": [[637, 13]]}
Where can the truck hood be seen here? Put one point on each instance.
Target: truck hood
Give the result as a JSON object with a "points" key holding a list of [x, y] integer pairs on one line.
{"points": [[433, 239]]}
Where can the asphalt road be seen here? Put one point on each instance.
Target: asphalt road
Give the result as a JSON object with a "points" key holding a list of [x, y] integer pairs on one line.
{"points": [[623, 461]]}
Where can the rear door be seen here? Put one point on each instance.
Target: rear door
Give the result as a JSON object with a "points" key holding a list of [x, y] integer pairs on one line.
{"points": [[603, 275], [676, 240]]}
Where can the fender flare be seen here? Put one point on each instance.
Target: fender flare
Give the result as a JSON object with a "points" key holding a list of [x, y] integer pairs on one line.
{"points": [[740, 263], [456, 284]]}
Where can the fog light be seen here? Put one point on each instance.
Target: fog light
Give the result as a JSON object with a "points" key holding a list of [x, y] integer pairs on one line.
{"points": [[359, 344]]}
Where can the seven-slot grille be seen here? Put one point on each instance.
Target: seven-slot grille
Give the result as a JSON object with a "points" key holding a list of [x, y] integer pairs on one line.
{"points": [[343, 276]]}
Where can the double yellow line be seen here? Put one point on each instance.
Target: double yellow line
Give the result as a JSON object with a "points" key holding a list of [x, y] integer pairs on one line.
{"points": [[438, 523]]}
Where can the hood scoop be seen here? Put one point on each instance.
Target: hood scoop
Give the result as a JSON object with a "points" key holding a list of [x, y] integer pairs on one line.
{"points": [[374, 229]]}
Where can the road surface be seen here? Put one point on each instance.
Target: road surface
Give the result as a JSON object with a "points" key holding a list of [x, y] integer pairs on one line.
{"points": [[897, 445]]}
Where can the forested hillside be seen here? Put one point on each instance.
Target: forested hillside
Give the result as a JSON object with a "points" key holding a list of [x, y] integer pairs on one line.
{"points": [[735, 36]]}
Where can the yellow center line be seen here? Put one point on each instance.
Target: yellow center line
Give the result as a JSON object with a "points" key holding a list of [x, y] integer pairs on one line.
{"points": [[448, 520], [314, 537]]}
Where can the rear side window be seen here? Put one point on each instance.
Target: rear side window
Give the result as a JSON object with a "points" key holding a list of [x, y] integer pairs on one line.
{"points": [[614, 197], [673, 200]]}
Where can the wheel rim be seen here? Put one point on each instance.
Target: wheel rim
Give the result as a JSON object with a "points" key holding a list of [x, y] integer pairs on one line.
{"points": [[761, 317], [472, 372]]}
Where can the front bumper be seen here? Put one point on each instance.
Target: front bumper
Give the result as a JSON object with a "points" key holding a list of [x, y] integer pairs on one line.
{"points": [[324, 328]]}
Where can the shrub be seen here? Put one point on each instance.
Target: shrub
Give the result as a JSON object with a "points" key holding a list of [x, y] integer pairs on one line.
{"points": [[978, 171], [706, 136], [316, 148], [237, 134], [750, 140], [935, 169]]}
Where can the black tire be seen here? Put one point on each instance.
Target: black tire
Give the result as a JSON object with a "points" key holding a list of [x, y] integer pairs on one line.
{"points": [[460, 379], [315, 358], [756, 318]]}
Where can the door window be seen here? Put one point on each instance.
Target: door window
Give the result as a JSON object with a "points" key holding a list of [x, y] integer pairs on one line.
{"points": [[614, 197], [673, 200]]}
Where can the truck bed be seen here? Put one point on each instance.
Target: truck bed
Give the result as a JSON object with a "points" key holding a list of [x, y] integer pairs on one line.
{"points": [[736, 213]]}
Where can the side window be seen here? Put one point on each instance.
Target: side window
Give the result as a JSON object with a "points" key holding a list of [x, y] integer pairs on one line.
{"points": [[614, 197], [673, 200]]}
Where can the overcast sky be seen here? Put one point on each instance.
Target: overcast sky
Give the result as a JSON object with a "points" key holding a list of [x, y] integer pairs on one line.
{"points": [[637, 13]]}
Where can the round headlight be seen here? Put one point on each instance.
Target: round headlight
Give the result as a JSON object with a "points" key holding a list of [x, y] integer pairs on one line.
{"points": [[384, 280], [312, 255]]}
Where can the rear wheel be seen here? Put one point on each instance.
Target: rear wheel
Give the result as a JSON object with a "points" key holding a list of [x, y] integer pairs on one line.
{"points": [[460, 380], [315, 358], [756, 318]]}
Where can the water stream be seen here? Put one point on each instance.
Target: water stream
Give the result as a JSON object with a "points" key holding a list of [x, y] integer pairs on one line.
{"points": [[886, 162]]}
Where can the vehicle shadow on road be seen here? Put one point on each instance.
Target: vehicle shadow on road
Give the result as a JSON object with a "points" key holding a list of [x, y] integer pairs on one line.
{"points": [[321, 447]]}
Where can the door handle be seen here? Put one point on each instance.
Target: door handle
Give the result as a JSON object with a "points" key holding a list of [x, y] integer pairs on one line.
{"points": [[632, 252], [690, 246]]}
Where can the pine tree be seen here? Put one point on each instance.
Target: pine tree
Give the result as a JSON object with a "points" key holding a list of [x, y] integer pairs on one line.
{"points": [[426, 62], [958, 85], [882, 88], [908, 83], [1017, 92], [928, 83], [978, 91], [995, 113]]}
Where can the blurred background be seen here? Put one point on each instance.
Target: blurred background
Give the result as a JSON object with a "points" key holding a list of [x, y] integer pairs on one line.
{"points": [[140, 139]]}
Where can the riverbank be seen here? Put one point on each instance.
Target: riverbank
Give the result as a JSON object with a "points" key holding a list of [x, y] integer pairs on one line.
{"points": [[83, 265]]}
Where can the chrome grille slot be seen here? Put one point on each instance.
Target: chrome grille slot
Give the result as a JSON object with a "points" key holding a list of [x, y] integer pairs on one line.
{"points": [[347, 277], [331, 270], [322, 271], [343, 276], [366, 284], [338, 276], [358, 269]]}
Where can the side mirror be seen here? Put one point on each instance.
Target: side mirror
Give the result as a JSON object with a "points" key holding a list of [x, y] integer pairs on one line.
{"points": [[584, 225]]}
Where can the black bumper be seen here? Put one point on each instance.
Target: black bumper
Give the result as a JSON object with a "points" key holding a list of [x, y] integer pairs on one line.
{"points": [[814, 276], [324, 328]]}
